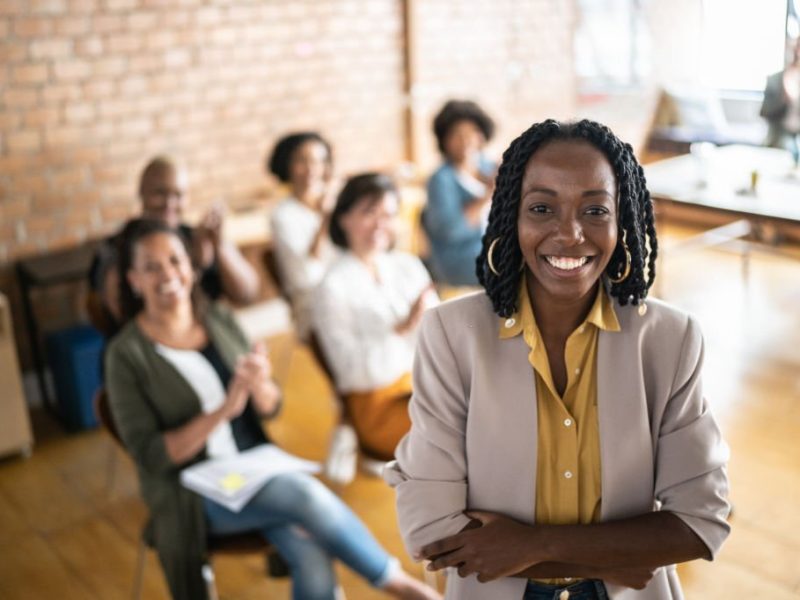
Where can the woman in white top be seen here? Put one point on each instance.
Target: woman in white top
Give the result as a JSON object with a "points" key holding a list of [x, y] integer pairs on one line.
{"points": [[303, 250], [367, 310]]}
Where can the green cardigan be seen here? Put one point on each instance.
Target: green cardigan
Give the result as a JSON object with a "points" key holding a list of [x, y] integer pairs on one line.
{"points": [[147, 397]]}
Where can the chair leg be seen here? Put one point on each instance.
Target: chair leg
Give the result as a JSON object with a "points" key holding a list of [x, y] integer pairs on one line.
{"points": [[136, 592], [211, 582], [111, 469]]}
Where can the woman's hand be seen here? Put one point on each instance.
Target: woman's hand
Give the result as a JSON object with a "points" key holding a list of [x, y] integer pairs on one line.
{"points": [[235, 399], [207, 237], [255, 371], [415, 314], [499, 547]]}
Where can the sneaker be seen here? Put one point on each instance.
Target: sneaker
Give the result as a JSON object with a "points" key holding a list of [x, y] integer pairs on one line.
{"points": [[340, 465]]}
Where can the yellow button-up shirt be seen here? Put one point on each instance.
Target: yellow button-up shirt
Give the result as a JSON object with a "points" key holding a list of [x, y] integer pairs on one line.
{"points": [[568, 468]]}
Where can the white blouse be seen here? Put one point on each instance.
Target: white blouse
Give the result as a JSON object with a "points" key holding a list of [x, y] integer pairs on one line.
{"points": [[294, 226], [355, 316], [204, 380]]}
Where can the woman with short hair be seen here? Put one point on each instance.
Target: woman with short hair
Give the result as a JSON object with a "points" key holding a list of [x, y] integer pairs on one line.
{"points": [[459, 192], [366, 312]]}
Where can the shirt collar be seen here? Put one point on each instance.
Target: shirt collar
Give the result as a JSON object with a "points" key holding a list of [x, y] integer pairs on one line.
{"points": [[601, 314]]}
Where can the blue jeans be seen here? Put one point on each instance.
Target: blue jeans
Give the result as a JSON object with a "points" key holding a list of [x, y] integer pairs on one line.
{"points": [[309, 526], [588, 589]]}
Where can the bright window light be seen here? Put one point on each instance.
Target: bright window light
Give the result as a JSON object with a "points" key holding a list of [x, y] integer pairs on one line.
{"points": [[743, 42]]}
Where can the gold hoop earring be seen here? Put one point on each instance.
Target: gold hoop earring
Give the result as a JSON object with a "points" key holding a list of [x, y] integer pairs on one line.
{"points": [[489, 258], [627, 270]]}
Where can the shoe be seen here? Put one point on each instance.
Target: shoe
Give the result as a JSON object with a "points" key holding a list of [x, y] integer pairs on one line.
{"points": [[340, 465], [372, 466]]}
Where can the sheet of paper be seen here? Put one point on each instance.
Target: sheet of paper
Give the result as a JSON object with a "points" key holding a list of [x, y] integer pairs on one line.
{"points": [[233, 481]]}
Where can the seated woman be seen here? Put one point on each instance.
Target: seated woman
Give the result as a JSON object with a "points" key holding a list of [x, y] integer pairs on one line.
{"points": [[366, 313], [184, 385], [223, 271], [303, 249], [561, 444], [459, 192]]}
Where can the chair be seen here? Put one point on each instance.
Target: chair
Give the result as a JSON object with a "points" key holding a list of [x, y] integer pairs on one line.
{"points": [[98, 314], [344, 432], [250, 542], [274, 271], [340, 464]]}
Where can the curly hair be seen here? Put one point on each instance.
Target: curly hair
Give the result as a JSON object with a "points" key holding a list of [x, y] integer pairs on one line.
{"points": [[635, 215], [371, 186], [280, 159], [460, 110]]}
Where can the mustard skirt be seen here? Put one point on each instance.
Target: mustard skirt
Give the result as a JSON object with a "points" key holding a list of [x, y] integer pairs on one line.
{"points": [[380, 417]]}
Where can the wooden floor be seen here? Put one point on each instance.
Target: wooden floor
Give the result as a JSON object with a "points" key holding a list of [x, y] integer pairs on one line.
{"points": [[65, 533]]}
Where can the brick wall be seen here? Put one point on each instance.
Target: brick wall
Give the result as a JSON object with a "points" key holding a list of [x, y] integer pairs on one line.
{"points": [[90, 89], [513, 57]]}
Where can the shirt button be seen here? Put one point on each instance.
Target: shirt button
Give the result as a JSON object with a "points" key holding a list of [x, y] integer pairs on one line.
{"points": [[510, 323], [567, 422], [578, 371], [568, 474]]}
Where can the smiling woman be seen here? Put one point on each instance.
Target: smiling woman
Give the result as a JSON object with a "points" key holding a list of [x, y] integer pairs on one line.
{"points": [[607, 440], [185, 385]]}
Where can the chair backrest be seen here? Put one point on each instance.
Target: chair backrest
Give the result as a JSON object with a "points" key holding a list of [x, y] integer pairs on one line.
{"points": [[99, 316], [319, 355], [274, 271], [104, 416]]}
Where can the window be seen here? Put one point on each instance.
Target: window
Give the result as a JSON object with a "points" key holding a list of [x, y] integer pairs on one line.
{"points": [[611, 44], [743, 42]]}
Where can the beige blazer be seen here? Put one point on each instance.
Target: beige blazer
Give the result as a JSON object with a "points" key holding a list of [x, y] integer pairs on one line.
{"points": [[473, 442]]}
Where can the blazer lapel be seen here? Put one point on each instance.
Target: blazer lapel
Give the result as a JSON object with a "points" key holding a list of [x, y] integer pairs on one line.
{"points": [[626, 446], [504, 425]]}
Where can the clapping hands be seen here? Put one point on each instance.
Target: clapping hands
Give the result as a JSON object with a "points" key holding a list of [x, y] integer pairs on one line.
{"points": [[252, 378]]}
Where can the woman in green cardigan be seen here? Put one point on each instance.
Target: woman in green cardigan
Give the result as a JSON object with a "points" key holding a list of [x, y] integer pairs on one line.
{"points": [[184, 385]]}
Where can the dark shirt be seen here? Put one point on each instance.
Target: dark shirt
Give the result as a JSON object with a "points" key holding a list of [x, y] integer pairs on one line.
{"points": [[246, 428]]}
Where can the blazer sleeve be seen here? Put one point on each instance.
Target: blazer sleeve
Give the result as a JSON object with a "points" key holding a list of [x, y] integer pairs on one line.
{"points": [[430, 471], [691, 456], [133, 414]]}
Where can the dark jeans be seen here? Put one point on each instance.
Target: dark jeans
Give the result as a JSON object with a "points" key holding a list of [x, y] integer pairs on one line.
{"points": [[588, 589]]}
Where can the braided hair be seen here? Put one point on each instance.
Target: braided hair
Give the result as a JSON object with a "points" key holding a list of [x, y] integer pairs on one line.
{"points": [[635, 215]]}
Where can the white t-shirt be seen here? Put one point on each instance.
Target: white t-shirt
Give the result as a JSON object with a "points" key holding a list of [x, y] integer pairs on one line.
{"points": [[294, 226], [204, 380], [355, 315]]}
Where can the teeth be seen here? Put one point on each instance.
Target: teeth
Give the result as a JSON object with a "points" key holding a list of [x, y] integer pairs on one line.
{"points": [[166, 288], [566, 263]]}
